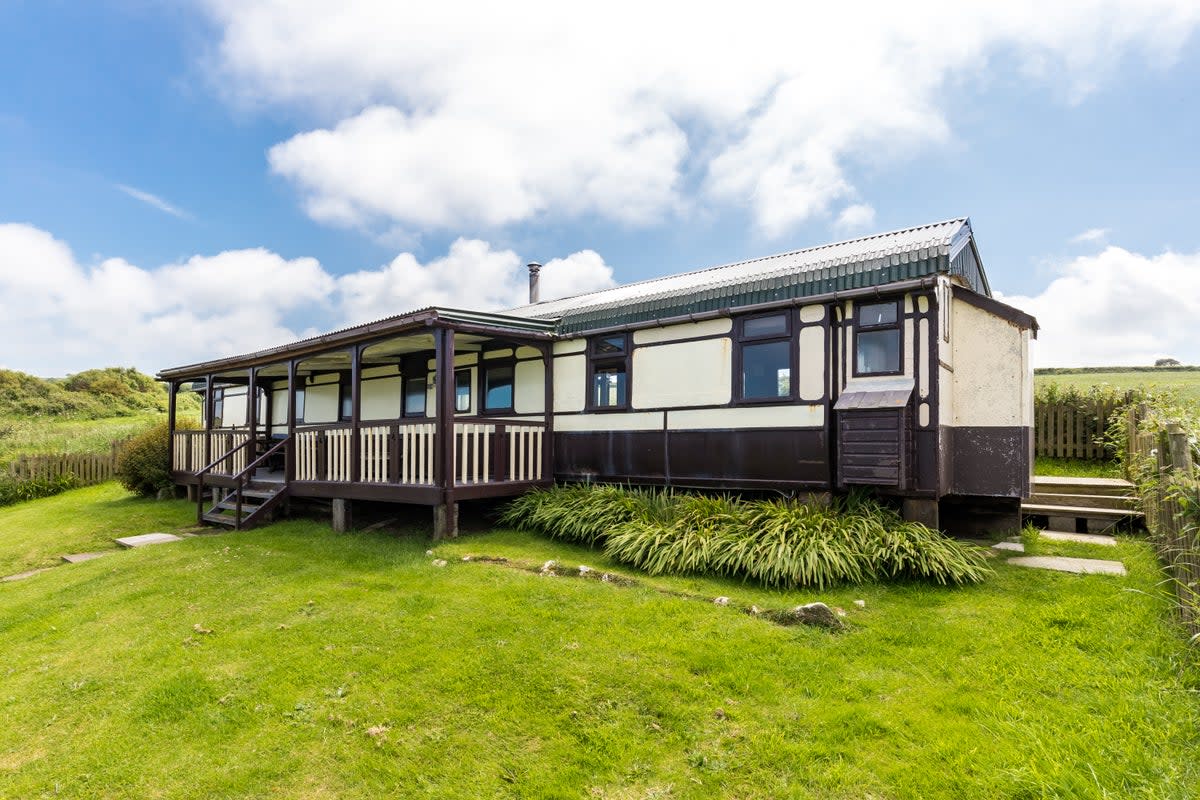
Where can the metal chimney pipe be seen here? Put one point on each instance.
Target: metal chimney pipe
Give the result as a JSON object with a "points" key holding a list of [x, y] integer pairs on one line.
{"points": [[534, 269]]}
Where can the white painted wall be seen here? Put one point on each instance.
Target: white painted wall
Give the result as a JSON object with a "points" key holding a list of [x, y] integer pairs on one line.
{"points": [[321, 403], [529, 387], [992, 378], [690, 330], [811, 385], [279, 411], [789, 416], [693, 373], [233, 413], [633, 421], [570, 383], [380, 399]]}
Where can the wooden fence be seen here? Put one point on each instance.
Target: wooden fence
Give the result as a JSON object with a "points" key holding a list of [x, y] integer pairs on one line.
{"points": [[1072, 429], [1166, 468], [88, 468]]}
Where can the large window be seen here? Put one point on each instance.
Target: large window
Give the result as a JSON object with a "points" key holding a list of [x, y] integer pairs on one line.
{"points": [[608, 372], [877, 339], [345, 400], [498, 387], [766, 360], [218, 407]]}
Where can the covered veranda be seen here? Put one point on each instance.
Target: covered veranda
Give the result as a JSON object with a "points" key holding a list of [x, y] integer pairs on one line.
{"points": [[430, 408]]}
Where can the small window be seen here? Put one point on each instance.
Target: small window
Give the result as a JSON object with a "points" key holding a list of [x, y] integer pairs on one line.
{"points": [[767, 352], [299, 405], [877, 341], [608, 373], [414, 397], [345, 402], [498, 387], [462, 390], [218, 409]]}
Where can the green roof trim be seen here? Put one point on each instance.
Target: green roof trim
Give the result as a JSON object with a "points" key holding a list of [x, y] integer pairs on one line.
{"points": [[767, 290]]}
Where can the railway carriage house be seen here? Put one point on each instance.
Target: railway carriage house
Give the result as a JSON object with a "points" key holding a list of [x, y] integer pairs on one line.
{"points": [[881, 362]]}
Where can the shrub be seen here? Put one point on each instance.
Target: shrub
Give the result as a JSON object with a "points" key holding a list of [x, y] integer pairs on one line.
{"points": [[779, 543], [15, 491], [142, 464]]}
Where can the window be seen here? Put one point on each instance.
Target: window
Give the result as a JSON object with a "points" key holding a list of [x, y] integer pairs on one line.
{"points": [[414, 397], [498, 387], [766, 357], [462, 390], [345, 401], [608, 372], [299, 405], [218, 407], [877, 339]]}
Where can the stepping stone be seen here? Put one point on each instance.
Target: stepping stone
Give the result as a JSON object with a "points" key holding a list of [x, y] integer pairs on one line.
{"points": [[1084, 538], [75, 558], [147, 538], [21, 575], [1079, 566], [1015, 547]]}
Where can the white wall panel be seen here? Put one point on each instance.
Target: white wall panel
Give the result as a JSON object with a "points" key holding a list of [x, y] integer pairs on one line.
{"points": [[990, 369], [321, 403], [814, 313], [694, 373], [381, 398], [570, 383], [811, 384], [529, 387], [644, 421], [570, 346], [802, 416], [689, 330]]}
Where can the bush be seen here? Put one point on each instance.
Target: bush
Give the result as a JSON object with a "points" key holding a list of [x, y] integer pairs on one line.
{"points": [[142, 464], [14, 491], [779, 543]]}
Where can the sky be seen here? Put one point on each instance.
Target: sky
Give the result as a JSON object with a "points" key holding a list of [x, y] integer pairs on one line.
{"points": [[182, 181]]}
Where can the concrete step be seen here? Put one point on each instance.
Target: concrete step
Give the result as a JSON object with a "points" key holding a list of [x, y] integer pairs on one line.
{"points": [[1056, 484], [1077, 511], [1081, 538], [1079, 566], [1112, 501]]}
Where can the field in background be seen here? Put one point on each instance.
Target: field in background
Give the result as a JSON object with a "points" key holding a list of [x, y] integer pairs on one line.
{"points": [[20, 436], [1184, 381]]}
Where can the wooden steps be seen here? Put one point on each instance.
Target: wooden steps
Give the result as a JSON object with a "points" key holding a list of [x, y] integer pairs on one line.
{"points": [[258, 502], [1082, 505]]}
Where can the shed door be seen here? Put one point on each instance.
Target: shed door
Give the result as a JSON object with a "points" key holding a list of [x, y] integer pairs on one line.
{"points": [[871, 448]]}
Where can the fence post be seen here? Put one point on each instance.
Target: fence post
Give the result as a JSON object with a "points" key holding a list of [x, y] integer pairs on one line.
{"points": [[1181, 459]]}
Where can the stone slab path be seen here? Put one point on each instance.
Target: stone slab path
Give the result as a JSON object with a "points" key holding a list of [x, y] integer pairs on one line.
{"points": [[1078, 566], [22, 575], [1015, 547], [76, 558], [147, 539]]}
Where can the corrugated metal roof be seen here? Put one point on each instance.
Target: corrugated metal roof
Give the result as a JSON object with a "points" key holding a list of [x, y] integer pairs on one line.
{"points": [[868, 261], [874, 394]]}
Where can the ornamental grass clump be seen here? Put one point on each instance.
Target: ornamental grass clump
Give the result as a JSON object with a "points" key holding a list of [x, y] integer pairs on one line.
{"points": [[779, 543]]}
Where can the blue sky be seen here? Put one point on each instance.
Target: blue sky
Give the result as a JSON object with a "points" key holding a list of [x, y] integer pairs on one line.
{"points": [[155, 158]]}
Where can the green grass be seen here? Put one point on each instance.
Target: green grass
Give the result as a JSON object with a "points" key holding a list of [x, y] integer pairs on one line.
{"points": [[349, 666], [37, 533], [1076, 468], [1185, 382], [20, 435]]}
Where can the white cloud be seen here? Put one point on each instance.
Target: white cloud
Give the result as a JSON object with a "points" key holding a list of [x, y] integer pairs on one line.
{"points": [[154, 201], [59, 316], [856, 217], [471, 276], [488, 114], [1091, 236], [1118, 308]]}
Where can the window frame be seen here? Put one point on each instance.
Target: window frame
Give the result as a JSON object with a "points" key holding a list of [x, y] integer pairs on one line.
{"points": [[597, 361], [485, 366], [345, 395], [404, 381], [470, 389], [898, 326], [218, 407], [742, 340]]}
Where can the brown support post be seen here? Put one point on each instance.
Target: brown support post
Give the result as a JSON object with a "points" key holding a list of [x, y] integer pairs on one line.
{"points": [[252, 410], [548, 436], [172, 388], [445, 516], [209, 407], [356, 412], [1181, 458], [289, 456]]}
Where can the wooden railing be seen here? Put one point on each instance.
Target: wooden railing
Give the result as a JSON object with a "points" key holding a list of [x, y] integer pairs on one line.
{"points": [[486, 450], [188, 452]]}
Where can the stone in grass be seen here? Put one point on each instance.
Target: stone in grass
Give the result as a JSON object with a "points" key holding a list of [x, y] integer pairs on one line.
{"points": [[548, 568], [721, 601], [76, 558], [817, 614], [147, 539], [860, 603], [439, 562]]}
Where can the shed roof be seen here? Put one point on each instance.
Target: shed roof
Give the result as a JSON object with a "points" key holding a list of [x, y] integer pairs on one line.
{"points": [[868, 261]]}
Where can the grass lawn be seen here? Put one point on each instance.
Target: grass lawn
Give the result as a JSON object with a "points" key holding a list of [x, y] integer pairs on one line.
{"points": [[1076, 468], [37, 534], [20, 435], [1185, 382], [294, 662]]}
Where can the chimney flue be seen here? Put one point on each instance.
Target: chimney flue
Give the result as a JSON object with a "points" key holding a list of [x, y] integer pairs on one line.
{"points": [[534, 269]]}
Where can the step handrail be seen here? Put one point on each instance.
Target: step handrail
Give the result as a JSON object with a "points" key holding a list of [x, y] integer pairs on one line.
{"points": [[200, 477], [240, 478]]}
